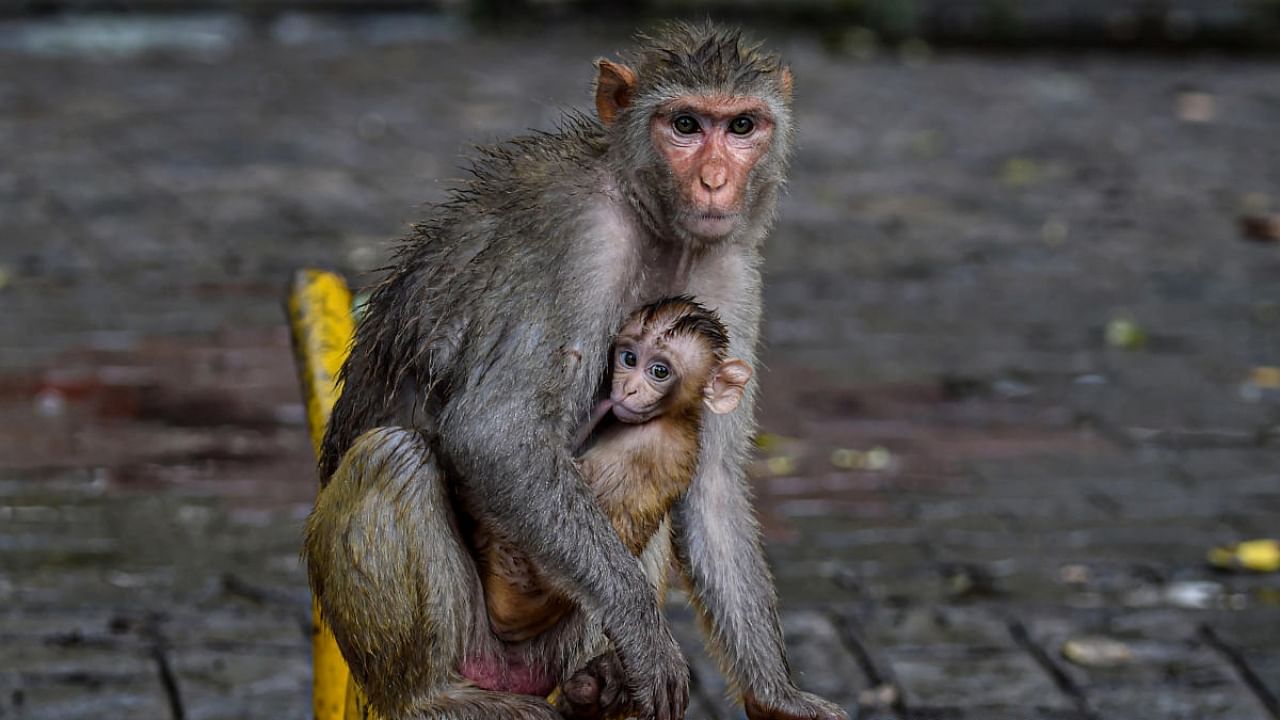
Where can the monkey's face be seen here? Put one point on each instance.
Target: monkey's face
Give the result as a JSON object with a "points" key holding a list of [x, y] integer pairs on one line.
{"points": [[651, 376], [711, 145]]}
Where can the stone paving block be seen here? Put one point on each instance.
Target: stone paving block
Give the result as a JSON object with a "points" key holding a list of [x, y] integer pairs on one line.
{"points": [[1172, 674], [243, 684], [33, 622], [1167, 392], [242, 626], [59, 700], [94, 657], [1251, 639], [820, 660], [709, 691], [962, 659], [71, 677]]}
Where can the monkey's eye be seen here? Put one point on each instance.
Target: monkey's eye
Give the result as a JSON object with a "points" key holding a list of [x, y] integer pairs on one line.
{"points": [[742, 125], [659, 371], [685, 124], [627, 358]]}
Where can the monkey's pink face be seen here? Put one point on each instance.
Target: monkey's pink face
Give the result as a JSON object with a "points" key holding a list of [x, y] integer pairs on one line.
{"points": [[712, 144]]}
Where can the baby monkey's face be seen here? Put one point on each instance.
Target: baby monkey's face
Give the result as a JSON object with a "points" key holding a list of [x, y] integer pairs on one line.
{"points": [[653, 376]]}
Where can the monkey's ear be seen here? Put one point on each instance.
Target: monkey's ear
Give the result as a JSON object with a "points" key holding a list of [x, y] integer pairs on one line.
{"points": [[615, 85], [786, 82], [727, 386]]}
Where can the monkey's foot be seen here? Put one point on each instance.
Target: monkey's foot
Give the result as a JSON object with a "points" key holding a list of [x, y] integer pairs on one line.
{"points": [[596, 692], [793, 704]]}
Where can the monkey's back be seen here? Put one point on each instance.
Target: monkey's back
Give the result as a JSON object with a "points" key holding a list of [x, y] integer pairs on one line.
{"points": [[504, 235]]}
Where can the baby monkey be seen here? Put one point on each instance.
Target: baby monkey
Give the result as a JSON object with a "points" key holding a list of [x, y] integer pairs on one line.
{"points": [[668, 365], [638, 452]]}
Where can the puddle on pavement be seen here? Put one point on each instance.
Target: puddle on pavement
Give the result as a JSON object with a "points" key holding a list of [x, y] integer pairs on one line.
{"points": [[216, 417]]}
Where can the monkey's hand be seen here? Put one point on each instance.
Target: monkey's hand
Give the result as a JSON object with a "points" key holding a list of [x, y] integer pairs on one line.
{"points": [[657, 676], [596, 692], [791, 704]]}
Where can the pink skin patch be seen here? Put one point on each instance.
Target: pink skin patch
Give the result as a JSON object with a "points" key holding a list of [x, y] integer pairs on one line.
{"points": [[508, 675]]}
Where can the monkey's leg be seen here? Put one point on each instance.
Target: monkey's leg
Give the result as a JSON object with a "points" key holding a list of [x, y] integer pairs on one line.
{"points": [[400, 589]]}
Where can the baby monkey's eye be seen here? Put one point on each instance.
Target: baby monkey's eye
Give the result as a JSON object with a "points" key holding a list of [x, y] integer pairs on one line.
{"points": [[627, 358], [659, 371], [742, 125]]}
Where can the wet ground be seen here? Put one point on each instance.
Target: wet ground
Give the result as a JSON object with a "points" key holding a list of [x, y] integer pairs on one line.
{"points": [[1012, 319]]}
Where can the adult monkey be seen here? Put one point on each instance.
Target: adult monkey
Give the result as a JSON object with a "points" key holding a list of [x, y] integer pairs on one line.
{"points": [[544, 253]]}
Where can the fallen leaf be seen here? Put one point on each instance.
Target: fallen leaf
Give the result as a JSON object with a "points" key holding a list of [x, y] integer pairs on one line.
{"points": [[1252, 555], [1125, 334], [1196, 107], [1096, 652], [1261, 228], [781, 465]]}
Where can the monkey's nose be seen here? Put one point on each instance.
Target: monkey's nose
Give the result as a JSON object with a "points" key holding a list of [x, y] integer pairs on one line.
{"points": [[713, 177]]}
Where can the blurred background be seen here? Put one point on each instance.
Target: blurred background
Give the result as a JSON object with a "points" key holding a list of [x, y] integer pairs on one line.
{"points": [[1022, 341]]}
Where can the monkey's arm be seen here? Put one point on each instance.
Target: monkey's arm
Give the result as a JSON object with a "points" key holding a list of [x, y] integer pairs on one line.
{"points": [[718, 548], [509, 458], [601, 409]]}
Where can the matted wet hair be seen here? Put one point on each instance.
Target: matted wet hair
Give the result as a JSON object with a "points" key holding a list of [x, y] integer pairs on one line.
{"points": [[683, 316], [692, 55]]}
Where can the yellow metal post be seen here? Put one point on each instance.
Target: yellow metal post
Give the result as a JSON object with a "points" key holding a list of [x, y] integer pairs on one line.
{"points": [[322, 324]]}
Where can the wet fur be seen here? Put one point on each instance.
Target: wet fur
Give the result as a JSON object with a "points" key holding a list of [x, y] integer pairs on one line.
{"points": [[449, 412]]}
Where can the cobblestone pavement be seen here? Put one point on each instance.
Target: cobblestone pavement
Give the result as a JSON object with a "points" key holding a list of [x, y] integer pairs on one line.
{"points": [[964, 482]]}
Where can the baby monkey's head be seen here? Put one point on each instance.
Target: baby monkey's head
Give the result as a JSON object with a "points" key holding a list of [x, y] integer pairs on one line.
{"points": [[669, 357]]}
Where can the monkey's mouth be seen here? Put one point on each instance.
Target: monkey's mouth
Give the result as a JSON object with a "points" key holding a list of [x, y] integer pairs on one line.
{"points": [[712, 223], [629, 416]]}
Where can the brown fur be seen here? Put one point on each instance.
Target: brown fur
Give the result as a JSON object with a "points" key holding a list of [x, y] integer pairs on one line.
{"points": [[639, 472], [636, 471]]}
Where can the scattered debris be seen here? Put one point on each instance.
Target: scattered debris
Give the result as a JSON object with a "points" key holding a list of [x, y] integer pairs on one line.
{"points": [[1262, 382], [768, 442], [1261, 227], [926, 144], [1096, 651], [876, 459], [1253, 555], [1021, 172], [881, 696], [781, 465], [1125, 334], [1074, 574], [968, 580], [1054, 231], [1196, 107], [50, 403], [1195, 594], [1010, 389]]}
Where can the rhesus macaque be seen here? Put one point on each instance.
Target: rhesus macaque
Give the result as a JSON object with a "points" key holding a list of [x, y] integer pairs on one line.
{"points": [[668, 363], [451, 418]]}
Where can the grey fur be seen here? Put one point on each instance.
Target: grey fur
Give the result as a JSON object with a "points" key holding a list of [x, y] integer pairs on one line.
{"points": [[454, 397]]}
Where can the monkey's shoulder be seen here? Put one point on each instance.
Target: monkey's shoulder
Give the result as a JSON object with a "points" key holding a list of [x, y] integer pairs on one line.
{"points": [[576, 143]]}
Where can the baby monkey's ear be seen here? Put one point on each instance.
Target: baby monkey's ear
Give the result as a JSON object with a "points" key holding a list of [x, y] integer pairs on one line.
{"points": [[727, 384]]}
